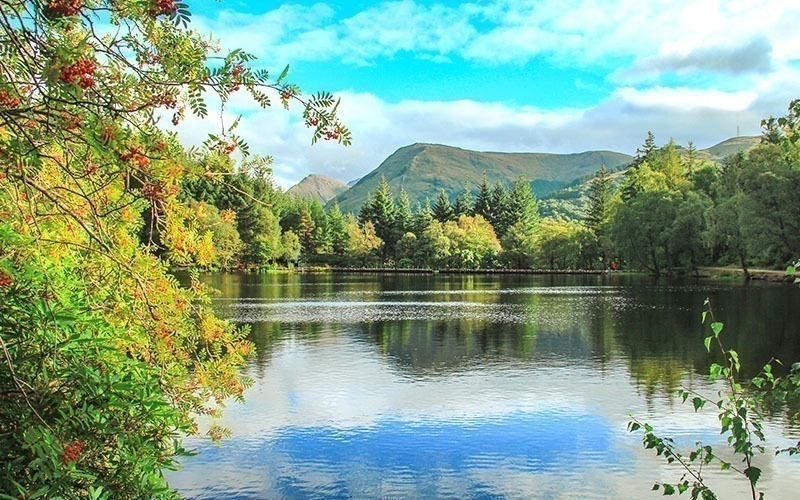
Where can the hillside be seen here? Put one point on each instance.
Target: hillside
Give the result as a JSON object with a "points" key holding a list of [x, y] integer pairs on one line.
{"points": [[570, 202], [423, 169], [323, 187], [730, 146]]}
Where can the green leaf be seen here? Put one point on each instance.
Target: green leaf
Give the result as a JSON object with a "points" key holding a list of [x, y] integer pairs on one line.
{"points": [[716, 327], [283, 75], [698, 403], [669, 489], [707, 342], [790, 271], [752, 473], [656, 487]]}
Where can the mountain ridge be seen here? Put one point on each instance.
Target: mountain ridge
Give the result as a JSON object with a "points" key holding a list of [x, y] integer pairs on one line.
{"points": [[422, 169], [320, 186]]}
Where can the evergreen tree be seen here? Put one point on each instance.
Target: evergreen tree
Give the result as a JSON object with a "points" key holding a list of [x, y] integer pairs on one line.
{"points": [[644, 152], [379, 209], [442, 210], [522, 205], [337, 230], [367, 211], [483, 200], [601, 190], [463, 203], [305, 232], [403, 216], [422, 217], [501, 213], [630, 185]]}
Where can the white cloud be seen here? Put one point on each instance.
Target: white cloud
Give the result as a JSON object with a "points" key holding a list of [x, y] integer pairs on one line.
{"points": [[501, 31], [618, 123], [749, 42]]}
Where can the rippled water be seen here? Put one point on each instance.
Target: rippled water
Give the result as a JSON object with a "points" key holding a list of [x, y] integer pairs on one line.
{"points": [[390, 386]]}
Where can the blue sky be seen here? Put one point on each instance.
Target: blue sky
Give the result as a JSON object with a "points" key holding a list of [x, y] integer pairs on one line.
{"points": [[511, 75]]}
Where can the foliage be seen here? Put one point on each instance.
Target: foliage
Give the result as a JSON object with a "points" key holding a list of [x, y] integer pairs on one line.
{"points": [[740, 408], [363, 243], [106, 358]]}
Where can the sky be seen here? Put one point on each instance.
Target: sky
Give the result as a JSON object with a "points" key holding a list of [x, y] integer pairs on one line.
{"points": [[551, 76]]}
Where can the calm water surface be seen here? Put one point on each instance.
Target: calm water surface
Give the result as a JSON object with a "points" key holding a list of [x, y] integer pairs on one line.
{"points": [[423, 386]]}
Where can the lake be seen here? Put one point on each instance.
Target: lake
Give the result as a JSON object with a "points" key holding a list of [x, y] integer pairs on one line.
{"points": [[479, 386]]}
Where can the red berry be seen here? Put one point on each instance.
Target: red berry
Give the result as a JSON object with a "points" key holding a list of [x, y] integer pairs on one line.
{"points": [[63, 8]]}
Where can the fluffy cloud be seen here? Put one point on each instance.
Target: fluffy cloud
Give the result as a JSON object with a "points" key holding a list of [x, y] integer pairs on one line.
{"points": [[688, 69], [618, 123], [687, 33]]}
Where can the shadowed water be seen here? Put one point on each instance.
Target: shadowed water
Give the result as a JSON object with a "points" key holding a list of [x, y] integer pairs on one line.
{"points": [[421, 386]]}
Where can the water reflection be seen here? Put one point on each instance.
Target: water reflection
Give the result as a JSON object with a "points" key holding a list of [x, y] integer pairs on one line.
{"points": [[473, 386]]}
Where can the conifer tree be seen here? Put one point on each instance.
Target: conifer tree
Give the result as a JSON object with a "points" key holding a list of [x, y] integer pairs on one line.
{"points": [[522, 205], [600, 191], [403, 215], [463, 203], [422, 217], [501, 216], [337, 230], [483, 200], [442, 209]]}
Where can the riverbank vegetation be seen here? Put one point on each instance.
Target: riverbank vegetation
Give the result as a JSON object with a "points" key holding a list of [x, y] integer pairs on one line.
{"points": [[670, 212]]}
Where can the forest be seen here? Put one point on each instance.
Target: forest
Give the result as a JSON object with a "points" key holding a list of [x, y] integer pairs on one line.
{"points": [[672, 212]]}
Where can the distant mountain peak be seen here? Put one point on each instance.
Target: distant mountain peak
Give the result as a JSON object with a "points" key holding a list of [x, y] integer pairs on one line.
{"points": [[320, 186]]}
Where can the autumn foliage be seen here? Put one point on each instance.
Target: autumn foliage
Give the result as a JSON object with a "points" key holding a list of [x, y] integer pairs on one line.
{"points": [[105, 358]]}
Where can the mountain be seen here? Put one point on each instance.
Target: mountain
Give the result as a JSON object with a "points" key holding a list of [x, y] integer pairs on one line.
{"points": [[730, 146], [323, 187], [570, 202], [423, 169]]}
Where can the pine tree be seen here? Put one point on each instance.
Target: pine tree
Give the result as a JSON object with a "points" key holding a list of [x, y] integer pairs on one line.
{"points": [[630, 184], [463, 203], [379, 209], [422, 217], [483, 200], [403, 216], [522, 204], [442, 210], [600, 191], [644, 152], [306, 233], [337, 230], [501, 216]]}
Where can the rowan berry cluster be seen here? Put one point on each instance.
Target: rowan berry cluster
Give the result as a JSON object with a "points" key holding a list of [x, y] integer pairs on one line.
{"points": [[227, 148], [153, 191], [70, 121], [8, 100], [286, 95], [167, 100], [80, 72], [135, 155], [333, 134], [72, 451], [163, 8], [63, 8], [5, 280]]}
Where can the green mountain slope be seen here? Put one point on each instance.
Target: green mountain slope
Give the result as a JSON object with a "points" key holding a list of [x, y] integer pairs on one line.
{"points": [[570, 202], [423, 169], [734, 145], [323, 187]]}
